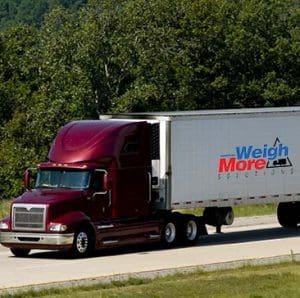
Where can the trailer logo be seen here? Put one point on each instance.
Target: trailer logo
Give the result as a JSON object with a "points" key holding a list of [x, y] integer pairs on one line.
{"points": [[248, 158]]}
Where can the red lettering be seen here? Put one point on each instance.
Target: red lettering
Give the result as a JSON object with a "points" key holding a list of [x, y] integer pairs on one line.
{"points": [[260, 164], [251, 162], [232, 165], [241, 165], [227, 165]]}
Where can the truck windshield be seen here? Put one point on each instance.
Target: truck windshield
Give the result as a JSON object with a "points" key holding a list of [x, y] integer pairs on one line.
{"points": [[76, 179]]}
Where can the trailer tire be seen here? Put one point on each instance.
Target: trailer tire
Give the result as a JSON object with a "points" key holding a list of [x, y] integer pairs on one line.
{"points": [[190, 230], [20, 252], [218, 216], [169, 233], [287, 214], [84, 243]]}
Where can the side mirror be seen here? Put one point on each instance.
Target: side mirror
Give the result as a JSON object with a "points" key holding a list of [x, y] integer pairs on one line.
{"points": [[26, 179]]}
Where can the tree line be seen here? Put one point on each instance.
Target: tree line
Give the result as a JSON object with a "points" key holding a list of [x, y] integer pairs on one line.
{"points": [[135, 55], [31, 12]]}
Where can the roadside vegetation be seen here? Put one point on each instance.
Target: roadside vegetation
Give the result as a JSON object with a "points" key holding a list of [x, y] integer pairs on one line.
{"points": [[4, 208], [31, 12], [242, 211], [280, 280], [86, 58]]}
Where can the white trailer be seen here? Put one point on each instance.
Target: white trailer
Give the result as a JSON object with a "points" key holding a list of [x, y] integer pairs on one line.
{"points": [[222, 158]]}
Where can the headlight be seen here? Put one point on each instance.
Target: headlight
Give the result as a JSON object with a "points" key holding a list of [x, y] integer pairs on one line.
{"points": [[3, 225], [57, 227]]}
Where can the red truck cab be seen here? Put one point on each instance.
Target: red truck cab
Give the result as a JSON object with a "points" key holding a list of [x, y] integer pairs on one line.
{"points": [[94, 191]]}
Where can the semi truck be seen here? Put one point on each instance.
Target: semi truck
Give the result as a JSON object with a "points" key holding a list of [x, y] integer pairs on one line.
{"points": [[125, 179]]}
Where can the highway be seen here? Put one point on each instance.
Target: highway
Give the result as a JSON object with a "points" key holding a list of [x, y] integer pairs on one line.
{"points": [[258, 238]]}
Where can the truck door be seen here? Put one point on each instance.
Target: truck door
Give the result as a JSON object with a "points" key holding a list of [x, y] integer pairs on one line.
{"points": [[100, 200], [134, 173]]}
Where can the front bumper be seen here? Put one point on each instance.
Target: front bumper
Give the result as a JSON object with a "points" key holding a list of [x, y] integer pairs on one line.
{"points": [[36, 239]]}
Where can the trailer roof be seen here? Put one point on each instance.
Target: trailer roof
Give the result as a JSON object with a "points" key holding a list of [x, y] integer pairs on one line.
{"points": [[197, 113]]}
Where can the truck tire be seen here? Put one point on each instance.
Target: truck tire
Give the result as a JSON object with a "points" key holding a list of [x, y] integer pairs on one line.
{"points": [[83, 244], [190, 230], [228, 216], [287, 214], [169, 233], [20, 252]]}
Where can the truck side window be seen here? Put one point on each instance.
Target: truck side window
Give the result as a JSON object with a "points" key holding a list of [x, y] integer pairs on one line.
{"points": [[97, 182], [131, 146]]}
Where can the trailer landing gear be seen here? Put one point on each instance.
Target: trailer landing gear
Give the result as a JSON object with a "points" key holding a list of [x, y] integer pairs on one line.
{"points": [[217, 217]]}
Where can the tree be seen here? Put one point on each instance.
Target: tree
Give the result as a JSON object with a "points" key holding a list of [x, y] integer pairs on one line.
{"points": [[135, 55], [210, 54], [31, 12], [19, 64]]}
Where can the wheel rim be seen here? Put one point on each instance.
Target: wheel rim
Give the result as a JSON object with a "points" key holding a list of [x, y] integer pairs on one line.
{"points": [[229, 218], [191, 230], [170, 232], [82, 242]]}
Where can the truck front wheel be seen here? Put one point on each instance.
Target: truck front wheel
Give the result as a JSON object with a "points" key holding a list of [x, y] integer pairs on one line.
{"points": [[83, 244], [169, 233], [19, 252]]}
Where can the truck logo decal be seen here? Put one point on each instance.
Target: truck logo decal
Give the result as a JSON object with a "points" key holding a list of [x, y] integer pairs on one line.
{"points": [[249, 158]]}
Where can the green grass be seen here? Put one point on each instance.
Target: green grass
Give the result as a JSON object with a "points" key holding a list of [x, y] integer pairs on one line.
{"points": [[4, 208], [266, 209], [239, 211], [242, 211], [265, 281]]}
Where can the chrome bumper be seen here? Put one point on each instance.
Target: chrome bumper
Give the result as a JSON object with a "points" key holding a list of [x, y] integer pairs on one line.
{"points": [[36, 238]]}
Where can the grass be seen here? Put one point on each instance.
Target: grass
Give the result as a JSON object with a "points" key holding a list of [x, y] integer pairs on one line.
{"points": [[4, 208], [239, 211], [242, 211], [253, 282], [280, 280]]}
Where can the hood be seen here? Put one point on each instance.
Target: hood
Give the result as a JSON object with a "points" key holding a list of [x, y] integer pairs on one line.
{"points": [[59, 201], [50, 196]]}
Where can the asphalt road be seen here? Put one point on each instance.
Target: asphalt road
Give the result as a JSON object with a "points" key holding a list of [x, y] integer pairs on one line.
{"points": [[255, 238]]}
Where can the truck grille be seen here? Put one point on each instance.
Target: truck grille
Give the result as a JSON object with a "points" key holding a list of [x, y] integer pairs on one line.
{"points": [[29, 217]]}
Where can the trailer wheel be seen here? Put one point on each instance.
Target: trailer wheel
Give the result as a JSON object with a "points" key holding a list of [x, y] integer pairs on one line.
{"points": [[83, 244], [190, 230], [20, 252], [287, 214], [169, 233]]}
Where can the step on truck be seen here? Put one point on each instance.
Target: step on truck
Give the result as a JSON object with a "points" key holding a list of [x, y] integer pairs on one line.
{"points": [[125, 179]]}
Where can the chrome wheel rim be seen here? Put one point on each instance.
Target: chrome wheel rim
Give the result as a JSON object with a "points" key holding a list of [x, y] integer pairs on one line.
{"points": [[191, 230], [82, 242], [170, 232]]}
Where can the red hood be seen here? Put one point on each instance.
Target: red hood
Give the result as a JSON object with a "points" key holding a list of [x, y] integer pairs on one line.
{"points": [[50, 196], [60, 201]]}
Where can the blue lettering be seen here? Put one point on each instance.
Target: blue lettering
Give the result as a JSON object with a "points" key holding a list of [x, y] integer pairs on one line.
{"points": [[257, 153], [265, 150], [271, 153], [243, 152], [282, 149]]}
